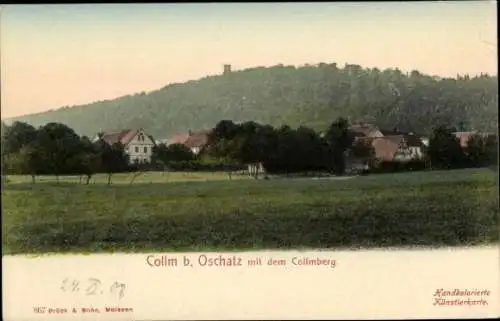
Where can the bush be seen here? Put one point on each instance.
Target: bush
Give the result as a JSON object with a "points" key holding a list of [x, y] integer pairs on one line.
{"points": [[198, 166], [395, 166], [287, 168]]}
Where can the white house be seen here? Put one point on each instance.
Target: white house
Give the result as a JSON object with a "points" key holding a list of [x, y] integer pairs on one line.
{"points": [[137, 143]]}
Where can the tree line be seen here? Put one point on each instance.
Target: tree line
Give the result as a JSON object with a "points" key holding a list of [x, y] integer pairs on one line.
{"points": [[310, 95], [287, 150], [55, 149]]}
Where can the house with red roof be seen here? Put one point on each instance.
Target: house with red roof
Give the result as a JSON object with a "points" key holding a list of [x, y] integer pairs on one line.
{"points": [[398, 148], [137, 143], [365, 130], [392, 144], [464, 137], [194, 140]]}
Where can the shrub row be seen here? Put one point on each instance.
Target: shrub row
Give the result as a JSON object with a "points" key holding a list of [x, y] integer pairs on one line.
{"points": [[394, 166]]}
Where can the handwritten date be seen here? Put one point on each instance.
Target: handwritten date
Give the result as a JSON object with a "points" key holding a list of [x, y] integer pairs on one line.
{"points": [[93, 286]]}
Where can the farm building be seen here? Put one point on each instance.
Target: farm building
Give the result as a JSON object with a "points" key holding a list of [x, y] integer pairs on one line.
{"points": [[137, 143], [195, 140], [464, 137], [398, 148]]}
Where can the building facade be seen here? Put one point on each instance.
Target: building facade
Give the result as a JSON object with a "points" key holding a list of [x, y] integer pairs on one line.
{"points": [[138, 145]]}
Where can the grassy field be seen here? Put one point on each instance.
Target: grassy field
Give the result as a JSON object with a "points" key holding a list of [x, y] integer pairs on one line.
{"points": [[207, 211]]}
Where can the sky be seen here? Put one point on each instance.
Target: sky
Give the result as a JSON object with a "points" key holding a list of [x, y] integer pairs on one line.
{"points": [[63, 55]]}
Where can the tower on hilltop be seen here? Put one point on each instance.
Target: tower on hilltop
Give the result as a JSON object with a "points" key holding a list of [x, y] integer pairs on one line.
{"points": [[227, 69]]}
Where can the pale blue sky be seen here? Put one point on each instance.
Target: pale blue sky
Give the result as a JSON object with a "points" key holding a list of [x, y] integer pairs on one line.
{"points": [[55, 55]]}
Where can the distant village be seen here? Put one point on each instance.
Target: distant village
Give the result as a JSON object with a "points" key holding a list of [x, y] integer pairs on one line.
{"points": [[388, 145]]}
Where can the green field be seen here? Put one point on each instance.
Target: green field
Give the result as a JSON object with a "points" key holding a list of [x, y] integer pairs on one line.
{"points": [[207, 211]]}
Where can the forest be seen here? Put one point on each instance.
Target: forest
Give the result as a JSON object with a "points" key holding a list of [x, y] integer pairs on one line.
{"points": [[310, 95]]}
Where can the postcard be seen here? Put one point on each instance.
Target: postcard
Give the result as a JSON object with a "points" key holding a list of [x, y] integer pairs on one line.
{"points": [[257, 161]]}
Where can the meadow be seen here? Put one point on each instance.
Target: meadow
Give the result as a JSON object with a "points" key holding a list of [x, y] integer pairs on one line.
{"points": [[208, 211]]}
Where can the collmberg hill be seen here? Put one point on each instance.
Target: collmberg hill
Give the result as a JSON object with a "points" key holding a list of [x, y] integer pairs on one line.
{"points": [[311, 96]]}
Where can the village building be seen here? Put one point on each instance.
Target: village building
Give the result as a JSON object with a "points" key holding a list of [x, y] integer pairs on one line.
{"points": [[138, 145], [398, 148], [194, 140], [391, 144], [464, 137], [365, 130], [395, 148]]}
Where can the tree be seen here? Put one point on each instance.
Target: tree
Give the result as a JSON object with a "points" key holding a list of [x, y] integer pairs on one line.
{"points": [[225, 129], [491, 147], [112, 158], [2, 142], [16, 136], [4, 128], [340, 140], [285, 156], [30, 161], [59, 144], [482, 150], [12, 164], [179, 153], [173, 153], [444, 150], [362, 149], [87, 161]]}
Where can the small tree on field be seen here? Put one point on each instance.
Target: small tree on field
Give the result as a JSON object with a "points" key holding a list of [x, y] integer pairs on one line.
{"points": [[87, 163], [112, 158], [29, 161], [444, 150], [340, 139], [482, 150]]}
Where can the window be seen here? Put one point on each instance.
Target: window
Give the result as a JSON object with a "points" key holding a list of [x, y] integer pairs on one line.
{"points": [[136, 149], [140, 138], [145, 150]]}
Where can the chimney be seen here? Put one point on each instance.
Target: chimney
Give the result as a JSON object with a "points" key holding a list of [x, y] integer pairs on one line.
{"points": [[190, 132]]}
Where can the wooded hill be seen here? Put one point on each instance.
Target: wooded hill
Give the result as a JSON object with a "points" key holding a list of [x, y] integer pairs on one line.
{"points": [[312, 96]]}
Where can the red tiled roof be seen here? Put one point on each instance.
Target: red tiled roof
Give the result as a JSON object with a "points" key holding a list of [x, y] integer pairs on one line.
{"points": [[191, 139], [464, 137], [363, 129], [180, 138], [385, 147], [197, 140], [391, 132], [123, 136]]}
